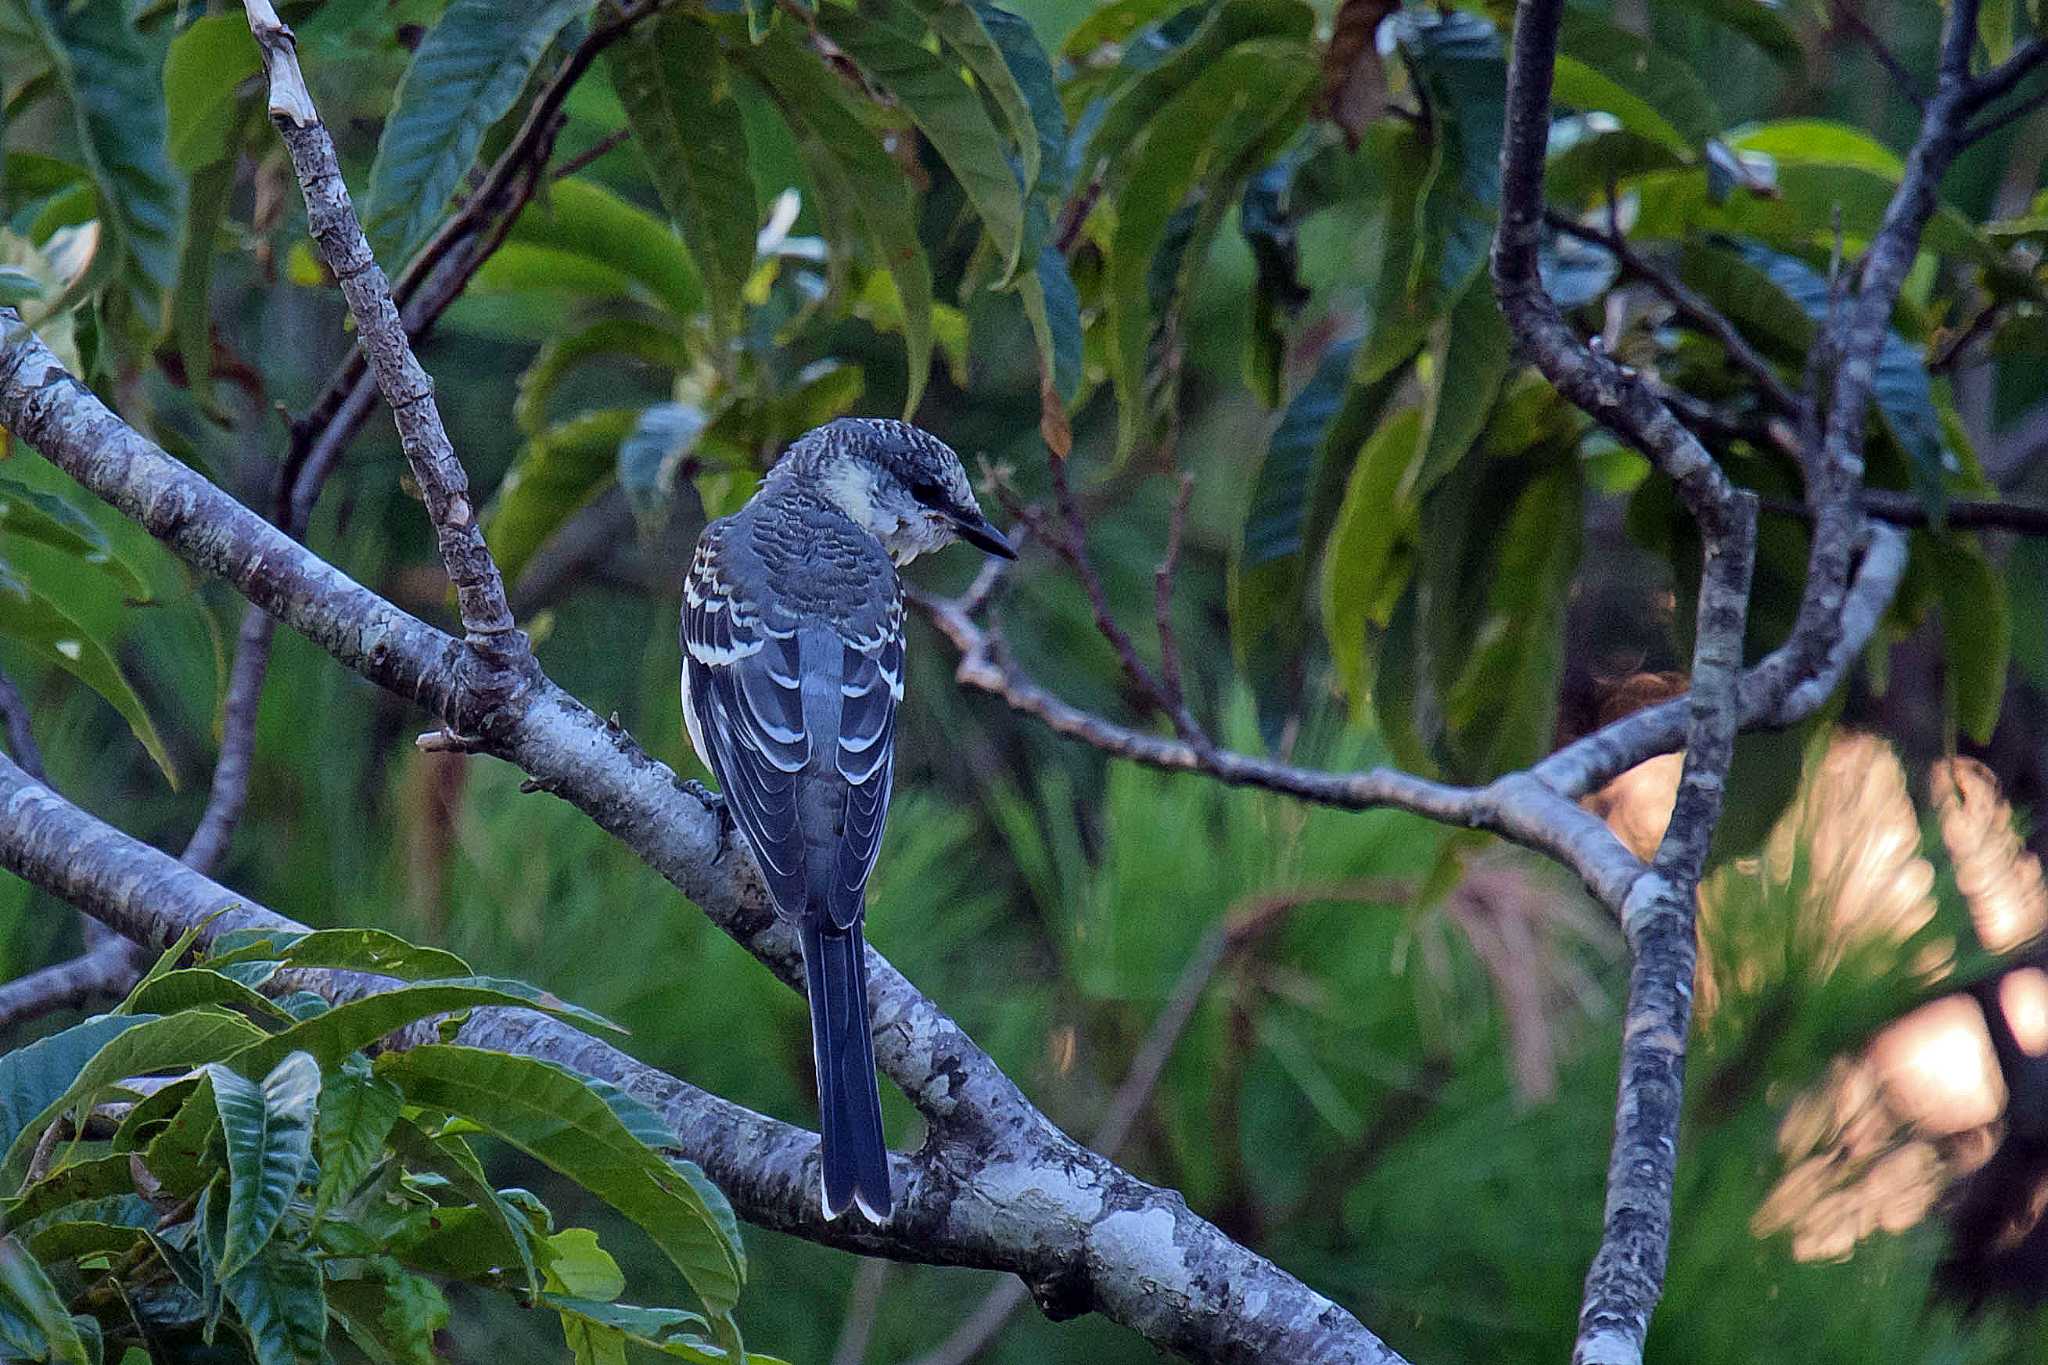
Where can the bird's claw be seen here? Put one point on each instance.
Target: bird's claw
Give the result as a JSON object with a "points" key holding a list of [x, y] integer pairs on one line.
{"points": [[716, 803]]}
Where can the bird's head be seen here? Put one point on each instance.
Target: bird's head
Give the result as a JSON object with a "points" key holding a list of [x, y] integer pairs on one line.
{"points": [[902, 485]]}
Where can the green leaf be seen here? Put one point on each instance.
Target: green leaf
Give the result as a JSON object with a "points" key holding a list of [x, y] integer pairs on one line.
{"points": [[355, 1024], [581, 1268], [596, 228], [551, 1114], [884, 42], [467, 74], [1822, 141], [1366, 563], [1579, 173], [554, 475], [1603, 67], [679, 101], [1245, 93], [1139, 104], [48, 519], [1020, 80], [1471, 357], [357, 1111], [670, 1331], [191, 987], [203, 72], [849, 167], [191, 313], [359, 950], [1782, 300], [1458, 64], [24, 1286], [450, 1158], [78, 1183], [269, 1130], [109, 77], [1053, 307], [281, 1301], [1976, 629], [1763, 22], [648, 338], [140, 1045], [17, 287], [36, 622]]}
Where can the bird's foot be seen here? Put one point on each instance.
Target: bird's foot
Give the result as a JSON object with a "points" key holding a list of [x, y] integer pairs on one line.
{"points": [[716, 803]]}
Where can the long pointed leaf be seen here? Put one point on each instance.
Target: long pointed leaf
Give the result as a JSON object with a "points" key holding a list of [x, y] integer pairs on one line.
{"points": [[269, 1131]]}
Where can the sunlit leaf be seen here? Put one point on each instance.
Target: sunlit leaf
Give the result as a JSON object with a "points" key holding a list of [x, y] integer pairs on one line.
{"points": [[465, 76], [1651, 91], [48, 519], [593, 225], [1366, 562]]}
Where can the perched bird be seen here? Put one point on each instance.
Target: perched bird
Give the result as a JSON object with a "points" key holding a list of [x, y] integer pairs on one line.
{"points": [[792, 667]]}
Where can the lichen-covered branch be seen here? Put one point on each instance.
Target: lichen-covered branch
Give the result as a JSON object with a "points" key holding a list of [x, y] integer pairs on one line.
{"points": [[407, 388], [996, 1185]]}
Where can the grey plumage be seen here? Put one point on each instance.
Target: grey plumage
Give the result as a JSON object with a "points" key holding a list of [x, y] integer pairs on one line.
{"points": [[792, 636]]}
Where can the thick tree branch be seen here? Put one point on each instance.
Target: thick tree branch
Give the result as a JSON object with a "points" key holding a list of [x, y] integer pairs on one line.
{"points": [[995, 1184]]}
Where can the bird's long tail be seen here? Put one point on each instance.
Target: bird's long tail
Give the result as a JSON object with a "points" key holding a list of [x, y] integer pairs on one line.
{"points": [[854, 1157]]}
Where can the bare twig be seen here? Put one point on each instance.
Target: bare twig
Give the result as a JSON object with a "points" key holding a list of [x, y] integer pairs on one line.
{"points": [[1162, 610], [1845, 16], [604, 146], [1690, 306], [338, 236], [1097, 1239], [2006, 117]]}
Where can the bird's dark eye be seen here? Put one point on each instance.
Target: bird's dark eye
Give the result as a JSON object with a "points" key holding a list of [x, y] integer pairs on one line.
{"points": [[927, 492]]}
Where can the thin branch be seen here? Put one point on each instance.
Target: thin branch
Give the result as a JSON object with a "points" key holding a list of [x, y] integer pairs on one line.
{"points": [[1906, 509], [2001, 80], [1690, 306], [1845, 16], [1097, 1239], [604, 146], [2005, 118], [1162, 611], [338, 237]]}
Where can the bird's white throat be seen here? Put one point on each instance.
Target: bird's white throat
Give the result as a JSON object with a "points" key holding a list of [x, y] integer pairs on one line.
{"points": [[905, 529]]}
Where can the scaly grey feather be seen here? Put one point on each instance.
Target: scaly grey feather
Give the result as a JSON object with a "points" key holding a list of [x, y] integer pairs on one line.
{"points": [[792, 636]]}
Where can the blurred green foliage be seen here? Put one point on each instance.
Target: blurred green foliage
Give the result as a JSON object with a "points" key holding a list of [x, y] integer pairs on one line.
{"points": [[1151, 232]]}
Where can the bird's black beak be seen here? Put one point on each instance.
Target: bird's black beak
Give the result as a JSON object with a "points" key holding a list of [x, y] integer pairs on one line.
{"points": [[976, 531]]}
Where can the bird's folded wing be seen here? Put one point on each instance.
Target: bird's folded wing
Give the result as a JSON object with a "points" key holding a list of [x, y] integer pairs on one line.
{"points": [[871, 684]]}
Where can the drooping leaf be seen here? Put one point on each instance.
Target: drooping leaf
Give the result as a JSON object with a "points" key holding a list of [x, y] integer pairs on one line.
{"points": [[109, 76], [1007, 61], [850, 169], [1139, 104], [883, 41], [48, 519], [1976, 630], [1053, 307], [679, 102], [1648, 89], [191, 987], [191, 312], [1458, 63], [464, 77], [1471, 354], [589, 224], [1781, 300], [203, 71], [34, 621], [357, 1110], [27, 1290], [269, 1131], [671, 1331], [1366, 563], [355, 1024], [281, 1302], [554, 475], [1234, 105], [140, 1045], [552, 1115]]}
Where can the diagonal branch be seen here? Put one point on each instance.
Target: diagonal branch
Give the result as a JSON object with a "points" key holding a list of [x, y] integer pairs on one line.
{"points": [[338, 237], [1091, 1237]]}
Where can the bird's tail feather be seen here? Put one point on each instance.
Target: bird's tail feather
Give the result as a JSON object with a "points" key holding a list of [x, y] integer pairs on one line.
{"points": [[854, 1158]]}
